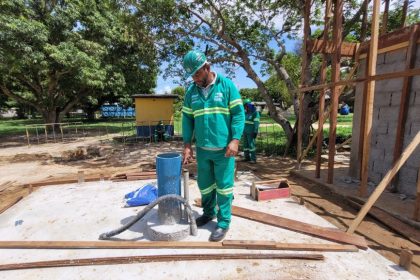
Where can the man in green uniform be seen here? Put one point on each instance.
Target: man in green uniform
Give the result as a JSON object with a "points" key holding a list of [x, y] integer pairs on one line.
{"points": [[252, 123], [213, 112]]}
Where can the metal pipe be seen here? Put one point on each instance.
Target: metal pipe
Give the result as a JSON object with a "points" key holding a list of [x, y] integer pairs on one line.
{"points": [[186, 176]]}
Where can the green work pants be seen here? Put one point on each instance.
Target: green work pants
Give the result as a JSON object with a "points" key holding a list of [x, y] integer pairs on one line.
{"points": [[215, 181], [249, 147]]}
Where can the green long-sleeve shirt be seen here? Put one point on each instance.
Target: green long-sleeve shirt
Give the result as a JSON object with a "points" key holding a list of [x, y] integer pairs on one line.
{"points": [[214, 120], [252, 122]]}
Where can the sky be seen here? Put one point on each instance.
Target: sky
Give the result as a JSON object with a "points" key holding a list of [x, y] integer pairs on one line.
{"points": [[241, 80]]}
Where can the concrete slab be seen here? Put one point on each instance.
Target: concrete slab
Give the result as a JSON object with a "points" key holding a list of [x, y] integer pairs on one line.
{"points": [[82, 212]]}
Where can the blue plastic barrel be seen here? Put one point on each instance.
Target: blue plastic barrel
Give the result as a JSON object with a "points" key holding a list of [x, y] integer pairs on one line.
{"points": [[168, 170]]}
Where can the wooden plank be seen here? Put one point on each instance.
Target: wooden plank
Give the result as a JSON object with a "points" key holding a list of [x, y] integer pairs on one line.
{"points": [[226, 244], [405, 97], [335, 77], [406, 259], [263, 245], [301, 227], [416, 214], [373, 53], [385, 181], [154, 258], [6, 185], [390, 221], [327, 47], [10, 204]]}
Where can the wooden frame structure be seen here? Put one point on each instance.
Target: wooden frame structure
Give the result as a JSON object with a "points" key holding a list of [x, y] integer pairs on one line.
{"points": [[406, 38]]}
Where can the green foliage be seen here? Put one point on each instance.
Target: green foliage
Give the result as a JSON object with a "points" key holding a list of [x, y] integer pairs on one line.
{"points": [[180, 92], [251, 93], [56, 54]]}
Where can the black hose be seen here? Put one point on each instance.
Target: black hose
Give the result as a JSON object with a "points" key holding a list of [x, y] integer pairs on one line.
{"points": [[143, 212]]}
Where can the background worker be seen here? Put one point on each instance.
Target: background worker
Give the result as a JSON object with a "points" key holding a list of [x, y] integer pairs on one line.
{"points": [[213, 110], [252, 123]]}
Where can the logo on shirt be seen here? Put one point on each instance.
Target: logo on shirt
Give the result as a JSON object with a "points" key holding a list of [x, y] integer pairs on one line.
{"points": [[194, 98], [218, 96]]}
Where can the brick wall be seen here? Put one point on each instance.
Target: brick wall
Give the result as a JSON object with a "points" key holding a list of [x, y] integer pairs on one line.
{"points": [[385, 120]]}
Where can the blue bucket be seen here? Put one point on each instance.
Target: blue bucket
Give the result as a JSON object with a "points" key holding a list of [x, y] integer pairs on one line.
{"points": [[168, 170]]}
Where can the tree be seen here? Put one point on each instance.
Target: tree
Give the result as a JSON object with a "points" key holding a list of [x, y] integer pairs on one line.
{"points": [[56, 54], [180, 92], [237, 33]]}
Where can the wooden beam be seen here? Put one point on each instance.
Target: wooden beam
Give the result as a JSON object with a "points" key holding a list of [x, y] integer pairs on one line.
{"points": [[327, 47], [405, 96], [323, 79], [10, 204], [329, 234], [335, 77], [373, 53], [390, 221], [406, 259], [154, 258], [304, 75], [226, 244], [385, 181], [416, 214]]}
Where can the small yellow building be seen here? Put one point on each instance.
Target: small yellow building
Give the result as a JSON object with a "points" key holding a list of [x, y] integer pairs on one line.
{"points": [[151, 109]]}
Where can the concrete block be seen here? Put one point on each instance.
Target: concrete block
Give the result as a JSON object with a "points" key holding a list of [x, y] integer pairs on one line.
{"points": [[380, 59], [413, 128], [380, 128], [388, 113], [390, 67], [409, 174], [414, 160], [395, 56], [388, 85], [413, 114], [414, 97], [406, 185], [384, 141], [377, 153], [396, 98], [375, 177], [415, 83], [383, 98]]}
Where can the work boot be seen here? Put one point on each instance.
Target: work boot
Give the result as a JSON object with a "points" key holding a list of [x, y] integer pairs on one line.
{"points": [[246, 160], [253, 162], [218, 234], [202, 220]]}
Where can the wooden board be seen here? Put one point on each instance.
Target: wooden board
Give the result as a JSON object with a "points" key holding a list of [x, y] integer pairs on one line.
{"points": [[327, 47], [402, 228], [10, 204], [154, 258], [226, 244], [334, 235]]}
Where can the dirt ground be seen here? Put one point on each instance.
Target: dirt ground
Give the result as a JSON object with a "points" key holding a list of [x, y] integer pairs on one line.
{"points": [[21, 165]]}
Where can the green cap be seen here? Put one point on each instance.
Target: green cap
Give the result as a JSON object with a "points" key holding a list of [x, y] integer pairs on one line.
{"points": [[193, 61], [246, 101]]}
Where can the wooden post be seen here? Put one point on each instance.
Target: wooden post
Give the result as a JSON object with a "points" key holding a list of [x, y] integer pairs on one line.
{"points": [[363, 117], [405, 95], [80, 177], [406, 258], [416, 216], [373, 53], [385, 181], [335, 77], [27, 137], [384, 28], [323, 78], [304, 75]]}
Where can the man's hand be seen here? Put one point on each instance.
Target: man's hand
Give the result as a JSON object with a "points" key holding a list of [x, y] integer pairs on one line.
{"points": [[188, 154], [232, 148]]}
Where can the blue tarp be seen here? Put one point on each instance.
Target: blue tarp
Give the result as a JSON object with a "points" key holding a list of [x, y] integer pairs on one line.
{"points": [[116, 111], [142, 196]]}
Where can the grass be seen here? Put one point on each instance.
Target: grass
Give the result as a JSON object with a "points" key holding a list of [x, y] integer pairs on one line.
{"points": [[271, 138]]}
